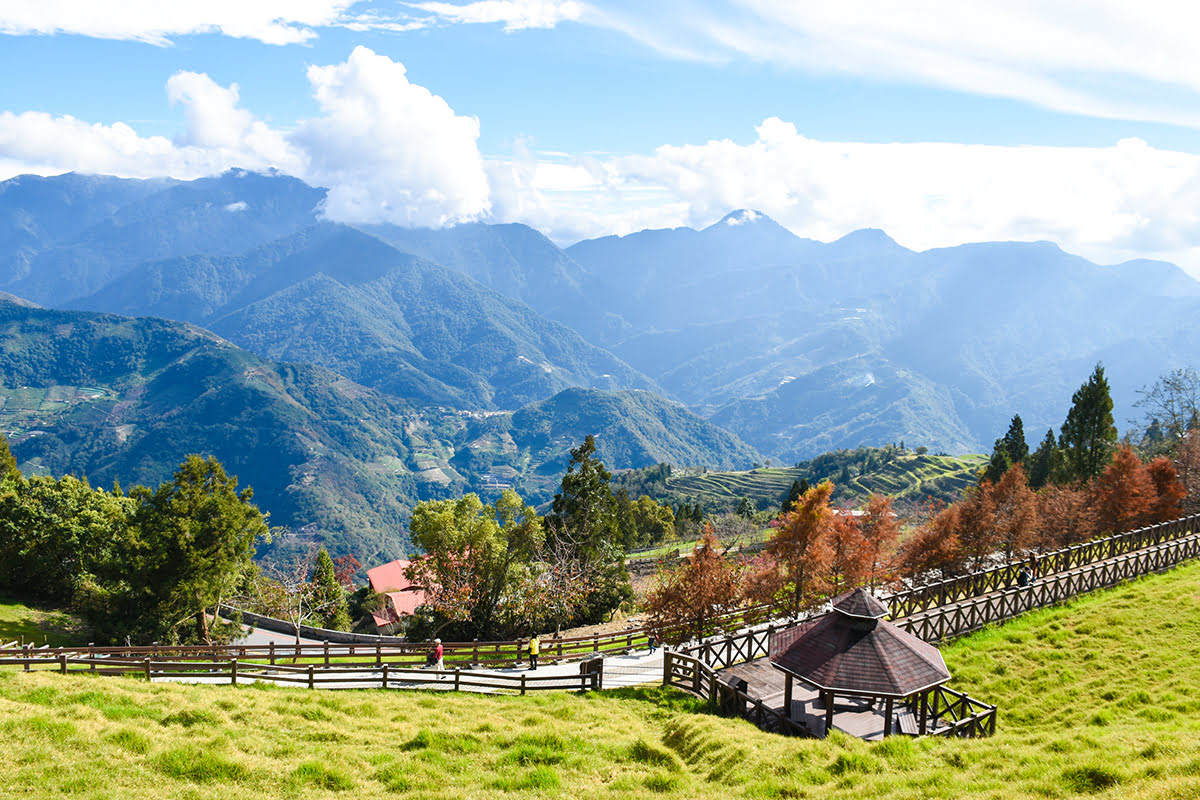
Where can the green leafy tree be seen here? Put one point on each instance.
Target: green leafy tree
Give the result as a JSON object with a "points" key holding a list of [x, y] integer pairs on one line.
{"points": [[473, 554], [195, 541], [8, 464], [1089, 437]]}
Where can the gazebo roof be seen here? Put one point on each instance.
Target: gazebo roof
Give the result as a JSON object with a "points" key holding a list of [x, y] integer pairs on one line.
{"points": [[860, 603], [858, 653]]}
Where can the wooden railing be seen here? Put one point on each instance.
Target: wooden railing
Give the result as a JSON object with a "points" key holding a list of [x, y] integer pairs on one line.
{"points": [[946, 712], [972, 614], [345, 675], [951, 590], [694, 676]]}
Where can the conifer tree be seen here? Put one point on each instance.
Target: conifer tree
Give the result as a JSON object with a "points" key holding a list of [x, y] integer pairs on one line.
{"points": [[329, 598], [1089, 436], [1043, 462]]}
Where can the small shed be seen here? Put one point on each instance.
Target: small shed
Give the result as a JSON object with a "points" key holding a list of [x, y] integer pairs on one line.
{"points": [[853, 652]]}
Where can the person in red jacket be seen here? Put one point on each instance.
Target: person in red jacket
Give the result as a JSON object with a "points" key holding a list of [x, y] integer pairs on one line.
{"points": [[437, 654]]}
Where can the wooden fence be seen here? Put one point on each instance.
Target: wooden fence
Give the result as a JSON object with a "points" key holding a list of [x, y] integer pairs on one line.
{"points": [[972, 614], [347, 675], [693, 675], [951, 590]]}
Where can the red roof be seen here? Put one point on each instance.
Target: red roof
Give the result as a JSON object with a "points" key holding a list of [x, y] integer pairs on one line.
{"points": [[389, 577], [402, 596]]}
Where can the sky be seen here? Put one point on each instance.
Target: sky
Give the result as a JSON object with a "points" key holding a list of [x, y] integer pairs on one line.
{"points": [[939, 122]]}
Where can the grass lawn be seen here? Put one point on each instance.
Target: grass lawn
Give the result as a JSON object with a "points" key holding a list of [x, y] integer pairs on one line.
{"points": [[1098, 699], [38, 626]]}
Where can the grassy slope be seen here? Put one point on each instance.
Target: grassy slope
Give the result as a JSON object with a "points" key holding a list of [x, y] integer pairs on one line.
{"points": [[1099, 698]]}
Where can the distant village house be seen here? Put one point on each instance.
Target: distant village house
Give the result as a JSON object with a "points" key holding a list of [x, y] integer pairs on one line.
{"points": [[401, 597]]}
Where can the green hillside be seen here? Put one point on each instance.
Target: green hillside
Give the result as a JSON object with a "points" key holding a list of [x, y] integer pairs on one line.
{"points": [[1098, 699]]}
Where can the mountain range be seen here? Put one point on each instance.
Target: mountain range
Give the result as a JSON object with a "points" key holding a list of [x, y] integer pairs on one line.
{"points": [[737, 343]]}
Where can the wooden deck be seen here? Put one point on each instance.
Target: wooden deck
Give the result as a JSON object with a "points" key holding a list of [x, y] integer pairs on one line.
{"points": [[851, 716]]}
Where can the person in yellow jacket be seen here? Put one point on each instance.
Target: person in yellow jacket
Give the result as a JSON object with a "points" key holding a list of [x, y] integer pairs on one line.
{"points": [[534, 647]]}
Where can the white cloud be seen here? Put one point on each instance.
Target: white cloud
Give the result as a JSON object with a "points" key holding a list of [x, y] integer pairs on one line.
{"points": [[515, 14], [1107, 58], [390, 150], [155, 21], [1107, 203]]}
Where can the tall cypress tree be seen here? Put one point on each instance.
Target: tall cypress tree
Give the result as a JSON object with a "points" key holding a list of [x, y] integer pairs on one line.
{"points": [[1009, 450], [1089, 436], [329, 597]]}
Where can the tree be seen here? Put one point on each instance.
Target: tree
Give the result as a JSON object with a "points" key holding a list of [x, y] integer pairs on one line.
{"points": [[8, 464], [1008, 450], [329, 598], [586, 512], [880, 532], [196, 541], [1066, 516], [1089, 436], [687, 602], [1169, 490], [977, 534], [848, 563], [797, 490], [1123, 494], [801, 549], [1171, 405], [1187, 467], [471, 554], [1014, 509], [1045, 463], [935, 545]]}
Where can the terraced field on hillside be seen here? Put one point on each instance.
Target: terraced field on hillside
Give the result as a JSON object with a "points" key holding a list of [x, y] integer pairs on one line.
{"points": [[907, 476]]}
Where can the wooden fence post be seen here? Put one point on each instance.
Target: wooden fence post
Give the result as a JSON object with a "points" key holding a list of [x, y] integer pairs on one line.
{"points": [[457, 678], [326, 643], [62, 660], [385, 677], [312, 682], [522, 684], [147, 665], [92, 655], [272, 644]]}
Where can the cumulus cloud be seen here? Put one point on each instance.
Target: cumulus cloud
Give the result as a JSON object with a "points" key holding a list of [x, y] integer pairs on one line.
{"points": [[276, 22], [515, 14], [390, 150]]}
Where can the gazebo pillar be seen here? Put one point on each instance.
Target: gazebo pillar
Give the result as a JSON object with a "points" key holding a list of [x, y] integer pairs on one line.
{"points": [[887, 717], [787, 694], [924, 711], [828, 712]]}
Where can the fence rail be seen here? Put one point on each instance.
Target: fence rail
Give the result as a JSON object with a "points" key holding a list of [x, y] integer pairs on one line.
{"points": [[973, 614], [694, 676], [951, 590], [340, 676]]}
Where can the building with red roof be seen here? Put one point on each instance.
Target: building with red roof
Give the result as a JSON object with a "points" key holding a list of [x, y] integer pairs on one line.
{"points": [[401, 597]]}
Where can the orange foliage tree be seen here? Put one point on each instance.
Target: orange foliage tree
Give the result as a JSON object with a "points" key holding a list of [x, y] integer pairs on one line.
{"points": [[935, 545], [798, 557], [1065, 516], [880, 532], [1123, 493], [848, 563], [1169, 490], [689, 601], [1014, 511]]}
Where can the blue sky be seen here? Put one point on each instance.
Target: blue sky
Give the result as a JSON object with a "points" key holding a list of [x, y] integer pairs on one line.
{"points": [[939, 122]]}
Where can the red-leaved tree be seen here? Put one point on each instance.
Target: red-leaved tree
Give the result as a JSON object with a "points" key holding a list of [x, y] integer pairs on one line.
{"points": [[689, 601]]}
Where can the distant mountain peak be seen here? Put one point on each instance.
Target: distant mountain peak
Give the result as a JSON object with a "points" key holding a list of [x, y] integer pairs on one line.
{"points": [[866, 236], [743, 216]]}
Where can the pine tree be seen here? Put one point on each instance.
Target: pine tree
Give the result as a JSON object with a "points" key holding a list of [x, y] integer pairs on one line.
{"points": [[1043, 462], [1014, 441], [329, 598], [1089, 436], [799, 487]]}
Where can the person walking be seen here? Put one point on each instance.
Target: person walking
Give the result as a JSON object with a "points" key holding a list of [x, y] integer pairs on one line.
{"points": [[534, 648], [437, 654]]}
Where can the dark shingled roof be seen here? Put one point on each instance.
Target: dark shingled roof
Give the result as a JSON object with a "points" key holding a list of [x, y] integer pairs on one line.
{"points": [[858, 654], [861, 603]]}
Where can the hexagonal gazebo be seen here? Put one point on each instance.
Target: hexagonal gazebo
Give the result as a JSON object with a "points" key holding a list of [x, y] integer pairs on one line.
{"points": [[853, 653]]}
